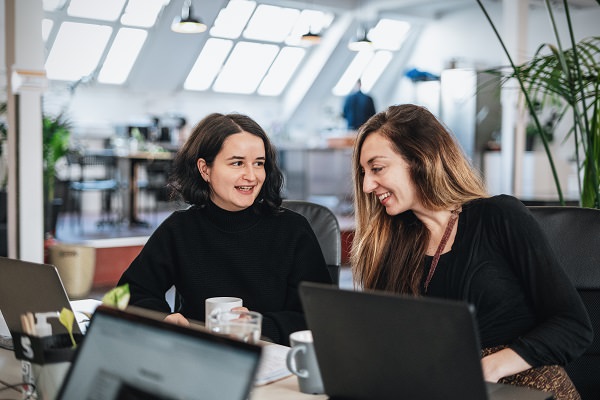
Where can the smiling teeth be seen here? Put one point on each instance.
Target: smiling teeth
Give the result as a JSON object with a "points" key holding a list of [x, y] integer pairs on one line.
{"points": [[245, 187], [384, 196]]}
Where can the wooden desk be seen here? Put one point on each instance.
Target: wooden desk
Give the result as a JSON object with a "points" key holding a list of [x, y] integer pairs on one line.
{"points": [[285, 389]]}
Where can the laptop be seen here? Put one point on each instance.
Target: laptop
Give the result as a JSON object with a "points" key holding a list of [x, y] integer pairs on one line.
{"points": [[374, 345], [31, 287], [132, 354]]}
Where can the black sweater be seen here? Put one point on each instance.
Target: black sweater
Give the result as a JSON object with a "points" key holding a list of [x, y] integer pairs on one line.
{"points": [[502, 263], [209, 252]]}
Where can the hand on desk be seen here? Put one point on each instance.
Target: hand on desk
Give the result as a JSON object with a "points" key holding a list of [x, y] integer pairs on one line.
{"points": [[177, 319]]}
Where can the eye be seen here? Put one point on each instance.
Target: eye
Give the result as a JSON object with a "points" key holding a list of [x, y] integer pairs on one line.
{"points": [[259, 163], [237, 163], [376, 169]]}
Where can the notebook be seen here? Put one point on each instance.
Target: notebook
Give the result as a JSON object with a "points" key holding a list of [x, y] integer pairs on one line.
{"points": [[132, 355], [373, 345], [31, 287]]}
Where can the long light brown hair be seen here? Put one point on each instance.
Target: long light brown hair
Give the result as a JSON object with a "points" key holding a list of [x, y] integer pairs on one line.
{"points": [[388, 251]]}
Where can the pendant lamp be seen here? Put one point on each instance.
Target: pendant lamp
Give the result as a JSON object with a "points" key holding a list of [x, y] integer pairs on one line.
{"points": [[186, 23], [361, 42]]}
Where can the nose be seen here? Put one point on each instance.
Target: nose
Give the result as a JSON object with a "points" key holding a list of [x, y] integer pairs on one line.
{"points": [[249, 173], [369, 184]]}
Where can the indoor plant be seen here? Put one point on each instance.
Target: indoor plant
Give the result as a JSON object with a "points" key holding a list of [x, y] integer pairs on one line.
{"points": [[573, 76], [56, 134]]}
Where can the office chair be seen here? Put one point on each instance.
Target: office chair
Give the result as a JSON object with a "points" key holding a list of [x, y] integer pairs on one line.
{"points": [[325, 225], [327, 229], [574, 234], [104, 180]]}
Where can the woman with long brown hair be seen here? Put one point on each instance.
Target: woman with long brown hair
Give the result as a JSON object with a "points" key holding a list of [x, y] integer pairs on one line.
{"points": [[426, 226]]}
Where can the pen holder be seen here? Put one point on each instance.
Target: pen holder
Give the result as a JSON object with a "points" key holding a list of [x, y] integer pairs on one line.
{"points": [[46, 349], [45, 362]]}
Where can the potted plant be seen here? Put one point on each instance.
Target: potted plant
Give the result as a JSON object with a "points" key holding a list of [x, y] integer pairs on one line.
{"points": [[571, 75], [56, 134]]}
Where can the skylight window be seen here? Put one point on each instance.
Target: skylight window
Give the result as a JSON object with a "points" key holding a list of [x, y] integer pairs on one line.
{"points": [[368, 65], [142, 13], [312, 21], [271, 23], [77, 50], [105, 10], [122, 55], [281, 71], [232, 19], [208, 64], [245, 67], [47, 25], [389, 34]]}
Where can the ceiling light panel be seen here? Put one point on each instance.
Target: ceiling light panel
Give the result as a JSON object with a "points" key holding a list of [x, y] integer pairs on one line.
{"points": [[389, 34], [105, 10]]}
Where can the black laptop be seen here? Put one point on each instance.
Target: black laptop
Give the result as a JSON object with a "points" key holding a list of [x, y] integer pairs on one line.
{"points": [[372, 345], [133, 354]]}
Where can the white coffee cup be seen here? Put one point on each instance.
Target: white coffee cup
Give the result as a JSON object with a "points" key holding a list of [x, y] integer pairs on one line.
{"points": [[215, 304], [302, 362]]}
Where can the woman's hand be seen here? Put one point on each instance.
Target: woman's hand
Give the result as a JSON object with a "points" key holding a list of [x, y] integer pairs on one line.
{"points": [[177, 319], [502, 363]]}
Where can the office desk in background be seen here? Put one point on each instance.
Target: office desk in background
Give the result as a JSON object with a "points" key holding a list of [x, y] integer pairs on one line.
{"points": [[284, 389], [134, 160]]}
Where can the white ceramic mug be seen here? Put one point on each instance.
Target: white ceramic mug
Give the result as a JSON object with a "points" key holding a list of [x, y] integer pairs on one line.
{"points": [[214, 304], [302, 362]]}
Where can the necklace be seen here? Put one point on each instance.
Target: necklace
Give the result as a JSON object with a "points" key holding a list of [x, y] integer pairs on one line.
{"points": [[453, 217]]}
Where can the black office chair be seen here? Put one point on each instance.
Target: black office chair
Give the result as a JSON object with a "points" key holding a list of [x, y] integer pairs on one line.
{"points": [[103, 179], [574, 234], [325, 225]]}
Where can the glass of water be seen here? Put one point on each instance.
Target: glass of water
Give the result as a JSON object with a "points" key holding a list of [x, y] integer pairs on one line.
{"points": [[241, 325]]}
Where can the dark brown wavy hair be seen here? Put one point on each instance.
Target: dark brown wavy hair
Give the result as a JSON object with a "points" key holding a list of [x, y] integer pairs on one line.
{"points": [[206, 141]]}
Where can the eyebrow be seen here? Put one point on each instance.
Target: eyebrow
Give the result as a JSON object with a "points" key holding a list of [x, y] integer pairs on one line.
{"points": [[373, 159], [243, 158]]}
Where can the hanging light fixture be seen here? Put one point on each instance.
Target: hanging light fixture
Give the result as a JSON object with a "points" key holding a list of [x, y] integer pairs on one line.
{"points": [[361, 41], [186, 23], [311, 38]]}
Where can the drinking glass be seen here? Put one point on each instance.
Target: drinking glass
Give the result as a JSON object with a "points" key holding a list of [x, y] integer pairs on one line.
{"points": [[241, 325]]}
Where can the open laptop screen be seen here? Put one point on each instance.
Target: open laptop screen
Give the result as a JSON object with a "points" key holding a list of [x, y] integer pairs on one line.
{"points": [[130, 356]]}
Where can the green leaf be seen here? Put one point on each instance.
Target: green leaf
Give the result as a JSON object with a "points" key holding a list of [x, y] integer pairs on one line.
{"points": [[67, 318], [117, 297]]}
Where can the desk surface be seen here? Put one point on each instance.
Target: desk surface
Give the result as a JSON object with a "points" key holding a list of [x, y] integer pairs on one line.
{"points": [[285, 389]]}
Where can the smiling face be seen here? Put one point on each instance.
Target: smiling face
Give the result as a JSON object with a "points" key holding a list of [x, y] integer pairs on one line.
{"points": [[237, 173], [387, 175]]}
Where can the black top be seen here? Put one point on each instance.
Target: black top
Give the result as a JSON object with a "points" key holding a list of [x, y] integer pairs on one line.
{"points": [[209, 252], [502, 263]]}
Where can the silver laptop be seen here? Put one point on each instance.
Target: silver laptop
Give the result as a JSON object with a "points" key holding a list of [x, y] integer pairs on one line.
{"points": [[129, 355], [371, 345], [31, 287]]}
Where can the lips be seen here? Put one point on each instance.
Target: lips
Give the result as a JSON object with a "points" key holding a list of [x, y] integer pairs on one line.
{"points": [[245, 188]]}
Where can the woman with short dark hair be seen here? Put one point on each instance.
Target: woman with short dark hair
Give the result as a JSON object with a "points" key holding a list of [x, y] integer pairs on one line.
{"points": [[234, 239]]}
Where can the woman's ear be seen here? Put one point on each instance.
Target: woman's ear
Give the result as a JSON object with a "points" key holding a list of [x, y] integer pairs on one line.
{"points": [[203, 169]]}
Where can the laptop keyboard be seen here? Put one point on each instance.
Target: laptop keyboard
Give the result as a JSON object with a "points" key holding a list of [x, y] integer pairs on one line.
{"points": [[6, 342]]}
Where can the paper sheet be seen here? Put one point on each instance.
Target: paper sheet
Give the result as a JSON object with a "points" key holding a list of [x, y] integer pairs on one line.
{"points": [[272, 365]]}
